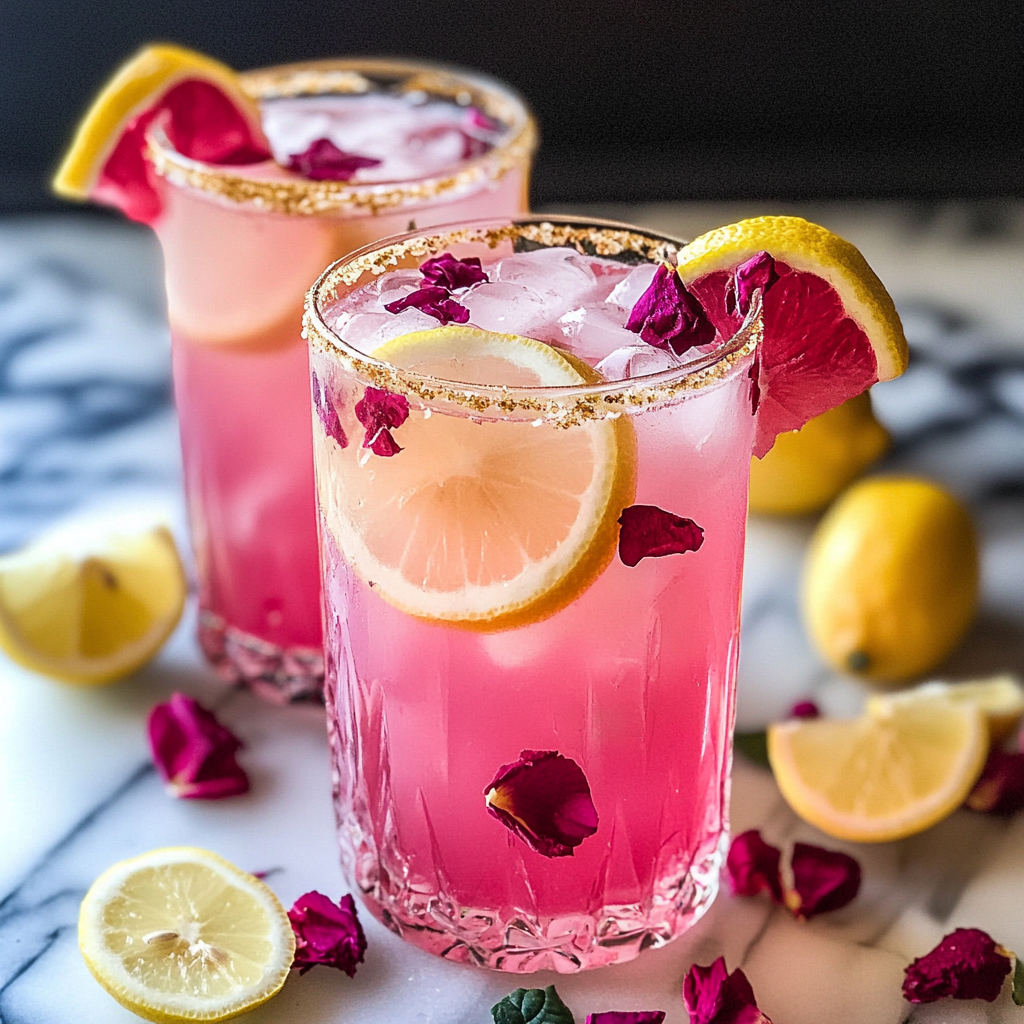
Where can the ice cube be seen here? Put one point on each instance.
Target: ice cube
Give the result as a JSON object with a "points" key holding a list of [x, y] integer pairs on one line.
{"points": [[368, 331], [557, 273], [509, 308], [398, 284], [591, 332], [633, 285], [635, 361]]}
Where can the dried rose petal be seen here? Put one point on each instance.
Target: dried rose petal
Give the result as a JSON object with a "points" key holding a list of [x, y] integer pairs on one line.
{"points": [[752, 866], [435, 302], [714, 996], [823, 880], [1000, 790], [380, 411], [647, 531], [323, 161], [805, 709], [193, 752], [326, 933], [446, 271], [327, 413], [627, 1017], [544, 798], [966, 964], [668, 316], [476, 118], [758, 272], [754, 376]]}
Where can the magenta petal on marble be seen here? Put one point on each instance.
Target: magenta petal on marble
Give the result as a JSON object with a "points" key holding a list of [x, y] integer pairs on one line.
{"points": [[966, 964], [380, 412], [823, 880], [326, 412], [627, 1017], [1000, 790], [193, 753], [714, 996], [544, 799], [324, 161], [757, 273], [805, 709], [752, 866], [668, 316], [445, 271], [646, 531], [326, 933], [434, 301]]}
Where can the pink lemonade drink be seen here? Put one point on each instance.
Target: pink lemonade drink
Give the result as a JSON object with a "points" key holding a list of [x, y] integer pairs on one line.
{"points": [[363, 149], [532, 528]]}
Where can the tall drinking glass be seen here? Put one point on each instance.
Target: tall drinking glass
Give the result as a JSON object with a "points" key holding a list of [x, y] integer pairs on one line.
{"points": [[240, 246], [532, 531]]}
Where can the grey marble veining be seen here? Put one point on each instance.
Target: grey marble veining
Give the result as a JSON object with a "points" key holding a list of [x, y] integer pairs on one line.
{"points": [[85, 419]]}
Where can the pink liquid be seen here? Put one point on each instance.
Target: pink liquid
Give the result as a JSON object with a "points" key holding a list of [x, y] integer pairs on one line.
{"points": [[235, 278], [634, 680]]}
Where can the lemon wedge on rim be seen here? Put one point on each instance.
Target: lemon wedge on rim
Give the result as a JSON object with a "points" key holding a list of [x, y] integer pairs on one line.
{"points": [[488, 524], [180, 934]]}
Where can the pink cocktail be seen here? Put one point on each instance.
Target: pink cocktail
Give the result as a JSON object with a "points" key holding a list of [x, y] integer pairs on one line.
{"points": [[532, 531], [241, 244]]}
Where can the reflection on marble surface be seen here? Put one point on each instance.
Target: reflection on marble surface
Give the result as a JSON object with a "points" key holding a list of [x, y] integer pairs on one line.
{"points": [[85, 419]]}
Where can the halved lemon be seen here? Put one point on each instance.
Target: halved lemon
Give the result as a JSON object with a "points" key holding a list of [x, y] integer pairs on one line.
{"points": [[831, 330], [893, 772], [180, 934], [1000, 698], [91, 602], [486, 524]]}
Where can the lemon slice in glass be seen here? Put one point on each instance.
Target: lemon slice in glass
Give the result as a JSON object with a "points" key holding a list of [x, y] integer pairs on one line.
{"points": [[91, 602], [889, 774], [180, 934], [485, 525]]}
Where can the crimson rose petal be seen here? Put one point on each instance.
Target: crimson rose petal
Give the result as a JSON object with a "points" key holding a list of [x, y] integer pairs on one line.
{"points": [[326, 933], [824, 880], [752, 866], [805, 709], [193, 752], [627, 1017], [446, 271], [544, 798], [668, 316], [1000, 790], [647, 531], [323, 161], [434, 301], [758, 272], [380, 411], [714, 996], [327, 413], [966, 964]]}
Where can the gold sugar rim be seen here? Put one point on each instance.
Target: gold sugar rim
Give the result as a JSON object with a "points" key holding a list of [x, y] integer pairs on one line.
{"points": [[563, 406], [305, 198]]}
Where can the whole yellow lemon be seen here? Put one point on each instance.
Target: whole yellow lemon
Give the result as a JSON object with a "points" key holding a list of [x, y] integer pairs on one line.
{"points": [[808, 467], [891, 580]]}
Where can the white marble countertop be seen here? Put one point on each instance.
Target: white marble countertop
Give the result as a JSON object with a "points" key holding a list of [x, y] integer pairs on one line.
{"points": [[84, 421]]}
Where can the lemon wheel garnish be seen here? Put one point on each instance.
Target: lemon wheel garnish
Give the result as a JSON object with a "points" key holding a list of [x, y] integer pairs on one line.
{"points": [[91, 604], [180, 934], [484, 525], [894, 772]]}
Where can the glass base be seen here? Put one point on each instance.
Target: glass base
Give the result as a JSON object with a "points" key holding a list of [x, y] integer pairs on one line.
{"points": [[277, 674]]}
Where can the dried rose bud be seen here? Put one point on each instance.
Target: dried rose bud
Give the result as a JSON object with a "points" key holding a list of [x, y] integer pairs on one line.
{"points": [[714, 996], [823, 880], [326, 933], [435, 302], [805, 709], [647, 531], [326, 412], [544, 798], [323, 161], [193, 752], [627, 1017], [752, 866], [756, 273], [380, 412], [668, 316], [966, 964], [1000, 790], [445, 271]]}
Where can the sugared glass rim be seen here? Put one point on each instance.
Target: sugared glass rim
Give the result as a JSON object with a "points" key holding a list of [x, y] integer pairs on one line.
{"points": [[302, 197], [564, 405]]}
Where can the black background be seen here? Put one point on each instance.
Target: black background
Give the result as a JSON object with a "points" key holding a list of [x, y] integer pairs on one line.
{"points": [[641, 100]]}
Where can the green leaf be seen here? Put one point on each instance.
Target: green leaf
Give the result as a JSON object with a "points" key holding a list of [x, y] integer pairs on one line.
{"points": [[753, 746], [1018, 982], [532, 1006]]}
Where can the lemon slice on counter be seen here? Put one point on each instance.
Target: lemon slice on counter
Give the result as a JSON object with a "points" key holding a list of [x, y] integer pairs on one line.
{"points": [[91, 603], [485, 525], [894, 772], [180, 934]]}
